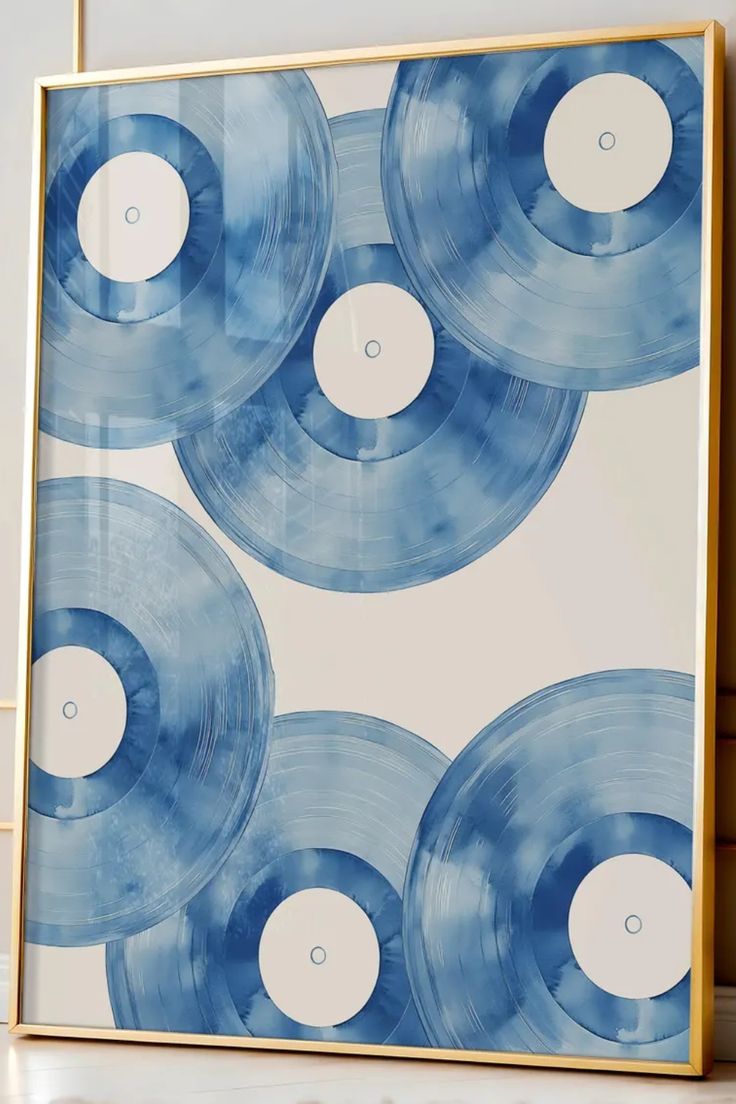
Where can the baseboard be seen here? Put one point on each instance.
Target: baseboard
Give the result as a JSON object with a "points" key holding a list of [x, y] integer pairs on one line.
{"points": [[4, 975]]}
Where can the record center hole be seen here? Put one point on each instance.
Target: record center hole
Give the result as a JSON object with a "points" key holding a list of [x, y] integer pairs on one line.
{"points": [[607, 140], [633, 924], [69, 709], [132, 215], [318, 955], [372, 349]]}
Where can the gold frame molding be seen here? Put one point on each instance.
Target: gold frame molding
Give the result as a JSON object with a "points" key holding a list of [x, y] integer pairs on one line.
{"points": [[78, 37], [701, 1005]]}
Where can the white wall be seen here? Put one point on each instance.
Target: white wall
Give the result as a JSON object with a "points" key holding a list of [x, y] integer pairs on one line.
{"points": [[37, 38]]}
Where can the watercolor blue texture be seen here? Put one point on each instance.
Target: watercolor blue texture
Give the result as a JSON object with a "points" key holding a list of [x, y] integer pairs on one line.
{"points": [[211, 812], [339, 808], [127, 574], [581, 771], [132, 364], [361, 504], [538, 287]]}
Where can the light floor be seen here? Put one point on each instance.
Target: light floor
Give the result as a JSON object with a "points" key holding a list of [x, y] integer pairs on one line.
{"points": [[42, 1071]]}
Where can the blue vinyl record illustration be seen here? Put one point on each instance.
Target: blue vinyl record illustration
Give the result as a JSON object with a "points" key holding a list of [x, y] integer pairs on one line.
{"points": [[188, 227], [299, 934], [372, 391], [548, 904], [546, 205], [382, 454], [150, 659]]}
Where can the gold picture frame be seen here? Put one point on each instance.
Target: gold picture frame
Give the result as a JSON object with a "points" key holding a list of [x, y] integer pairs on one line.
{"points": [[701, 1004]]}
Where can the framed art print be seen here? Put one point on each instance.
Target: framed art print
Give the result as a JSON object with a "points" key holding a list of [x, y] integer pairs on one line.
{"points": [[369, 615]]}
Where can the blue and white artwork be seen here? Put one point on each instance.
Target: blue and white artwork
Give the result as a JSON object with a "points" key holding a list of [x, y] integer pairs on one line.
{"points": [[226, 963], [575, 801], [115, 849], [188, 227], [557, 248], [463, 460], [363, 641]]}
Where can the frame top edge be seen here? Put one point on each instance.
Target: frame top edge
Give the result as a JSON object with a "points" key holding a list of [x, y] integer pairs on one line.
{"points": [[367, 54]]}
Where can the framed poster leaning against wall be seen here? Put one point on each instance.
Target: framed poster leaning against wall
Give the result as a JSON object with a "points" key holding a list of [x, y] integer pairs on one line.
{"points": [[369, 614]]}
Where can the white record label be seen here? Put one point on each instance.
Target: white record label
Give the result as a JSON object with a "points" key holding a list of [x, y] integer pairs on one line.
{"points": [[630, 924], [319, 957], [79, 712], [373, 350], [608, 143], [133, 217]]}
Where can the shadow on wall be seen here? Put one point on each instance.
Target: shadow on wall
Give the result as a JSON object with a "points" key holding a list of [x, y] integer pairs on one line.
{"points": [[727, 595], [726, 865]]}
